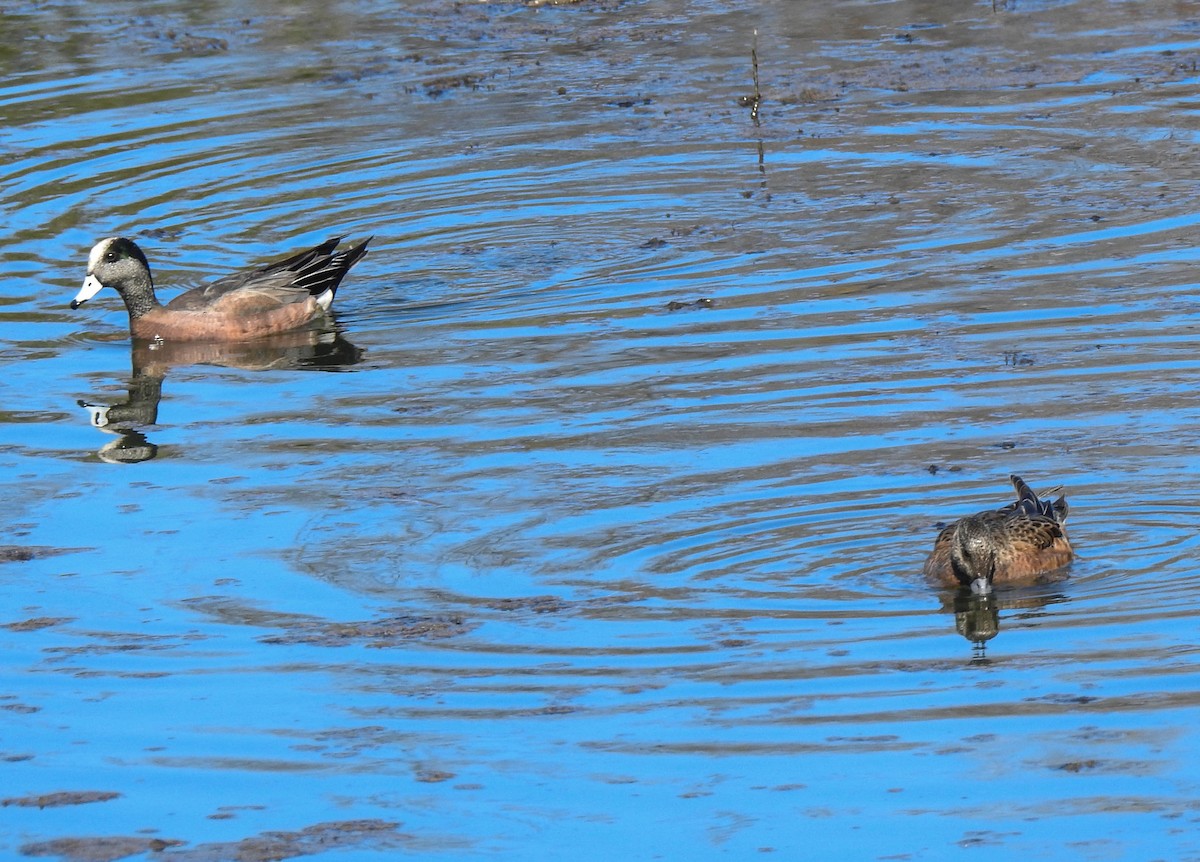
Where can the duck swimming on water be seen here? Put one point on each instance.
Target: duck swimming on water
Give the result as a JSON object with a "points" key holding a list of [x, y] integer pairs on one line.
{"points": [[1015, 544], [278, 297]]}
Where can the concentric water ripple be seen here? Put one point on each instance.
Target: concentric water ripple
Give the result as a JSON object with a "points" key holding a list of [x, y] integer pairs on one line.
{"points": [[646, 415]]}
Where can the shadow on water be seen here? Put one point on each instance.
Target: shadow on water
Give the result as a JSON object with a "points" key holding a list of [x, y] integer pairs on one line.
{"points": [[311, 349]]}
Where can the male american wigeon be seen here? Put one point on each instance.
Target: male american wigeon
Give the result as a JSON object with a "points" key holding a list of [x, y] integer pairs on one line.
{"points": [[1017, 543], [279, 297]]}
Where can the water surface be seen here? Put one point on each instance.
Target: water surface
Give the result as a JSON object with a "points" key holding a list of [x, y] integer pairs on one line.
{"points": [[597, 531]]}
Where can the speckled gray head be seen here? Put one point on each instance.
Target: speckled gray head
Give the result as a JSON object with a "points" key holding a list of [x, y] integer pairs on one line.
{"points": [[112, 263], [973, 553]]}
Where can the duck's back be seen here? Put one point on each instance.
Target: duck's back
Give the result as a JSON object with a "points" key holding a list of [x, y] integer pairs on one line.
{"points": [[232, 309], [242, 294]]}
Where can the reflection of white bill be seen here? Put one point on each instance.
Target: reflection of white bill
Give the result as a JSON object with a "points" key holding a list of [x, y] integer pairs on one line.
{"points": [[97, 414]]}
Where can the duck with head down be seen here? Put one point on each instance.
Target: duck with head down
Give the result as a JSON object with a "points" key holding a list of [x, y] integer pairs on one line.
{"points": [[278, 297], [1018, 543]]}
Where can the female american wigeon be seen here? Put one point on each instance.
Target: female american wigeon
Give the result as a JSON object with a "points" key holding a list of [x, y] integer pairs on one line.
{"points": [[275, 298], [1019, 542]]}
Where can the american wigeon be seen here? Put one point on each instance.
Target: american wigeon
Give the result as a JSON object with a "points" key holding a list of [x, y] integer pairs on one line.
{"points": [[278, 297], [1019, 542]]}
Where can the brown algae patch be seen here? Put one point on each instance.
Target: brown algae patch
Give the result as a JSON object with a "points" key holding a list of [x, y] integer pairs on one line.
{"points": [[267, 847], [35, 623], [16, 554], [385, 632], [25, 553], [56, 800], [100, 849]]}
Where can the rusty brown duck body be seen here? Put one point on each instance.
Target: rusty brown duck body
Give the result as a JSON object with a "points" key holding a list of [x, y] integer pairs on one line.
{"points": [[1017, 543]]}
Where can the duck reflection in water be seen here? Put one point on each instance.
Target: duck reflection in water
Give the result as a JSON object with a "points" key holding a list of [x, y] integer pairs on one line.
{"points": [[977, 618], [323, 350]]}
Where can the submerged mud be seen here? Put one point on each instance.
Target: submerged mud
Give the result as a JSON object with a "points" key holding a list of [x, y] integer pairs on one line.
{"points": [[312, 840]]}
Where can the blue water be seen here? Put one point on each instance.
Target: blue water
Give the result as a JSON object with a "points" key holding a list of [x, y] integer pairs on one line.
{"points": [[545, 558]]}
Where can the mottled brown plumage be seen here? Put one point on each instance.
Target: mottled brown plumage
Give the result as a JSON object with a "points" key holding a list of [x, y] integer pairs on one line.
{"points": [[1017, 543]]}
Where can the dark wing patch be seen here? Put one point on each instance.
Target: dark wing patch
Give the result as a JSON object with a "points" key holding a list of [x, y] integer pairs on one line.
{"points": [[1034, 505], [303, 259], [325, 272], [309, 273]]}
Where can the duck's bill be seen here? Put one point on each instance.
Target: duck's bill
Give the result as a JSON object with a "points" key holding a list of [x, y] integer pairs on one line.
{"points": [[91, 286], [981, 587]]}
